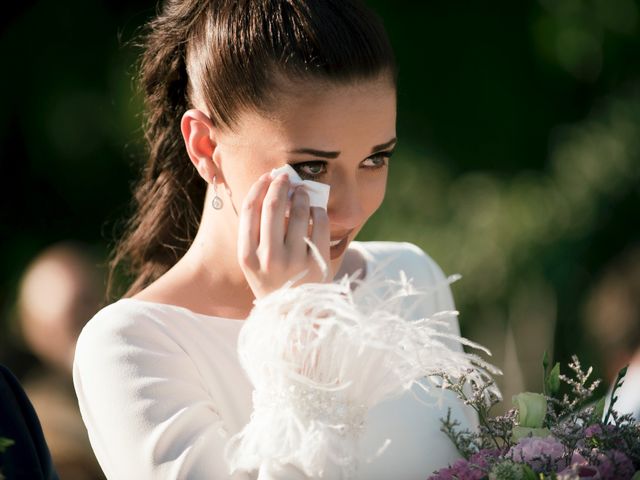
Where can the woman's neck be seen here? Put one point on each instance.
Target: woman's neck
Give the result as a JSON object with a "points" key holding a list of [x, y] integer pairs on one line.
{"points": [[208, 278]]}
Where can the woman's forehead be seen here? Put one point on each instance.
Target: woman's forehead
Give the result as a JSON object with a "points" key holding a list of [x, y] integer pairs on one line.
{"points": [[360, 110], [321, 95]]}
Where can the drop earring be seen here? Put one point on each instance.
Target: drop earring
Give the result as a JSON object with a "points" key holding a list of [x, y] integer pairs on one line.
{"points": [[217, 202]]}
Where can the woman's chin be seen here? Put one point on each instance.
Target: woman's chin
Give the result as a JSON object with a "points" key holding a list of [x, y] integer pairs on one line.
{"points": [[337, 267]]}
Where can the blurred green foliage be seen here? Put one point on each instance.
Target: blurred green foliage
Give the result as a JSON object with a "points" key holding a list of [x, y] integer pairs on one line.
{"points": [[518, 164]]}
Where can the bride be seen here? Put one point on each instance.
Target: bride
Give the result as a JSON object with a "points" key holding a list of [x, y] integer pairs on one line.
{"points": [[233, 90]]}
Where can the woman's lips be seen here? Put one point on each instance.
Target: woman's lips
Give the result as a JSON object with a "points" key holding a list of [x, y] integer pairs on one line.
{"points": [[338, 249]]}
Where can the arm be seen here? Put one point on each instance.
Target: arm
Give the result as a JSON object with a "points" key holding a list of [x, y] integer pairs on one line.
{"points": [[147, 412], [320, 356]]}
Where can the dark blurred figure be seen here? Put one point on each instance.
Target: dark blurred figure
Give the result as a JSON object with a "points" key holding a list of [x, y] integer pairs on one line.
{"points": [[59, 292], [613, 318], [28, 458]]}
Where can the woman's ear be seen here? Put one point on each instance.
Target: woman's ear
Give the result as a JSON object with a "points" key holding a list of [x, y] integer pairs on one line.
{"points": [[198, 133]]}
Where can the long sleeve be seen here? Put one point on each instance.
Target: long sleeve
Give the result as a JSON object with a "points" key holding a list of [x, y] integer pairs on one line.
{"points": [[320, 356]]}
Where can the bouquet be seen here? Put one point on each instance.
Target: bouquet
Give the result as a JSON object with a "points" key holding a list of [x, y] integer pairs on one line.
{"points": [[546, 436]]}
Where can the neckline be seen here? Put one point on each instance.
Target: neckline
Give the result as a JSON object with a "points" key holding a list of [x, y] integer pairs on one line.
{"points": [[354, 244], [150, 303]]}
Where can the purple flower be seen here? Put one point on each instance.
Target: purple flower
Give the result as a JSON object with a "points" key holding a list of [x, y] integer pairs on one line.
{"points": [[593, 434], [484, 458], [598, 429], [460, 470], [475, 468], [593, 430], [541, 454], [613, 465], [579, 470]]}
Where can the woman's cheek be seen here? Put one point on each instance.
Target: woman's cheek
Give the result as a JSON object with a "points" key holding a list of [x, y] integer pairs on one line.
{"points": [[376, 195]]}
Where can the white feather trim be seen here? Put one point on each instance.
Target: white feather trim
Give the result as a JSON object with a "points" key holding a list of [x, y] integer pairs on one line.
{"points": [[320, 355]]}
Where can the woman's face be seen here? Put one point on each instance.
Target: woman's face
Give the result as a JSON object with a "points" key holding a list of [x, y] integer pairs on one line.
{"points": [[341, 135]]}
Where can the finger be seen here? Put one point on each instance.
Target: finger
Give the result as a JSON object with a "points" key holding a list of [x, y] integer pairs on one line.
{"points": [[298, 225], [320, 233], [273, 210], [249, 223]]}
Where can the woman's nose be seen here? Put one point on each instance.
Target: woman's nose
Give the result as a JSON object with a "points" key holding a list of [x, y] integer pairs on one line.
{"points": [[345, 208]]}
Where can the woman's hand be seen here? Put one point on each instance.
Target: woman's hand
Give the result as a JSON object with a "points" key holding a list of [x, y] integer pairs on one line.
{"points": [[271, 250]]}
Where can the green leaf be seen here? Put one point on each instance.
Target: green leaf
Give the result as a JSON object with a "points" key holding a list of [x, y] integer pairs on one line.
{"points": [[636, 476], [529, 474], [598, 411], [545, 366], [5, 443], [553, 380], [618, 383]]}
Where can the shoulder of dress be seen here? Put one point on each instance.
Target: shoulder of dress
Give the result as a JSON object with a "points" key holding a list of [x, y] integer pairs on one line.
{"points": [[119, 314], [127, 320], [391, 257]]}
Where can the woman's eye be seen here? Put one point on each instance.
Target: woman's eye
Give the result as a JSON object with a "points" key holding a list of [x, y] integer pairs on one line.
{"points": [[317, 168], [310, 170], [378, 160]]}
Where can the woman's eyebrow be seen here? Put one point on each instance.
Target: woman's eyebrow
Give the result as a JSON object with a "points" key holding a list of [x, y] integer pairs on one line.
{"points": [[384, 146], [326, 154], [316, 153]]}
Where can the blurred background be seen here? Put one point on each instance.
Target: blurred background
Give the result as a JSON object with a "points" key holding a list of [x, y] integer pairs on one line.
{"points": [[518, 167]]}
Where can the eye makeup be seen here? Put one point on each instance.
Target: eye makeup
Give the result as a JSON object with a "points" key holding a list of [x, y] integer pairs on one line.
{"points": [[314, 169]]}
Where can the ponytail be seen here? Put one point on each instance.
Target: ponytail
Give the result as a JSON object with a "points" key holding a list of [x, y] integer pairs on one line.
{"points": [[168, 198]]}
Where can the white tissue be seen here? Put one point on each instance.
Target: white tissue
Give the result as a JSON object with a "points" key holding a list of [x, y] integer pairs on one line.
{"points": [[318, 192]]}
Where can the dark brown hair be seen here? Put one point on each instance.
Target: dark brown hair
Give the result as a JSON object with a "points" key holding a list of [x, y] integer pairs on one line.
{"points": [[225, 56]]}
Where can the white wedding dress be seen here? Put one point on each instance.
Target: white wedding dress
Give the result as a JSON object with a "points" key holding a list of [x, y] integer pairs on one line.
{"points": [[162, 390]]}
